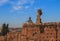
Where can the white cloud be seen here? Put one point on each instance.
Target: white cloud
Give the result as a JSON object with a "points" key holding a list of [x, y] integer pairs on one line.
{"points": [[20, 4], [16, 7], [3, 1]]}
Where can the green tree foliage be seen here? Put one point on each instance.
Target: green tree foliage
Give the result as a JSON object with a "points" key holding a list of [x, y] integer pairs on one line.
{"points": [[5, 29]]}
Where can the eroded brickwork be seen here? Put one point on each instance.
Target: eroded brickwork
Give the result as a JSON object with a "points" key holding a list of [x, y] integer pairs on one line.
{"points": [[38, 31]]}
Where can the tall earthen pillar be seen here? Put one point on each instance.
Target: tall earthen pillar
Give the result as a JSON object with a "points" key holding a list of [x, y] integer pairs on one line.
{"points": [[38, 19]]}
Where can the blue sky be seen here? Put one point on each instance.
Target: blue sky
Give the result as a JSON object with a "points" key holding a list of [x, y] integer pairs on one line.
{"points": [[16, 12]]}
